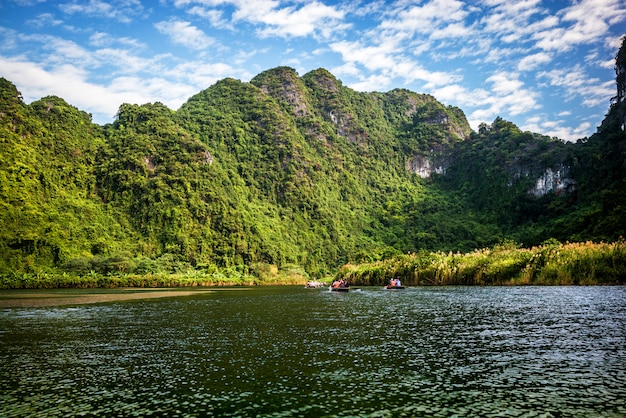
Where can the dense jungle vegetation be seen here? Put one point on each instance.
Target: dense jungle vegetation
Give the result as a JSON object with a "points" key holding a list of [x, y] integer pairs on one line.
{"points": [[289, 177]]}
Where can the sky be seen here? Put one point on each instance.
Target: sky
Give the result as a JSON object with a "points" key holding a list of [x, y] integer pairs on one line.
{"points": [[547, 66]]}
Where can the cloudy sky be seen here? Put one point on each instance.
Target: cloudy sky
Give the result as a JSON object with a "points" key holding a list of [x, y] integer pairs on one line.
{"points": [[545, 65]]}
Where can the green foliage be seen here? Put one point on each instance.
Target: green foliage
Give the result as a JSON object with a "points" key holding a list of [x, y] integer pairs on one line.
{"points": [[50, 209], [287, 178], [552, 263]]}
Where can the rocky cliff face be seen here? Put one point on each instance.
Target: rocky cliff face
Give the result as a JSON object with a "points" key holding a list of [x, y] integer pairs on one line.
{"points": [[556, 181], [425, 130], [425, 166]]}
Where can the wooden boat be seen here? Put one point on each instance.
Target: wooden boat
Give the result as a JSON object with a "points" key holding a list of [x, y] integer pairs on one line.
{"points": [[314, 284], [394, 287]]}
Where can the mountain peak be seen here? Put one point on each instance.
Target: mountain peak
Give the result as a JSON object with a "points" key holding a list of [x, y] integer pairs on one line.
{"points": [[323, 79], [285, 86]]}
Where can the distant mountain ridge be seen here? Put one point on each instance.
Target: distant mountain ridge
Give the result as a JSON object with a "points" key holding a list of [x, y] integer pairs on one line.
{"points": [[289, 172]]}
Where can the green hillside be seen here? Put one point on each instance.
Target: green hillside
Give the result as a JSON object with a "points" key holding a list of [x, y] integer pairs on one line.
{"points": [[288, 174]]}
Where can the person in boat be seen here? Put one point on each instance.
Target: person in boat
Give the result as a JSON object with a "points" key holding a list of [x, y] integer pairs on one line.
{"points": [[336, 284], [398, 284]]}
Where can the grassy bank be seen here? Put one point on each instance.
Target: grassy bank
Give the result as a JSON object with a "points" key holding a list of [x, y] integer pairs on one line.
{"points": [[191, 278], [552, 263]]}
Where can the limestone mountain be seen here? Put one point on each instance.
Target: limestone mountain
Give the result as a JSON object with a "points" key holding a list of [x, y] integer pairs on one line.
{"points": [[288, 172]]}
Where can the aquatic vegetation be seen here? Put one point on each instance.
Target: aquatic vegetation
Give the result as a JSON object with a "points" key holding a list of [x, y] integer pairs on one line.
{"points": [[551, 263]]}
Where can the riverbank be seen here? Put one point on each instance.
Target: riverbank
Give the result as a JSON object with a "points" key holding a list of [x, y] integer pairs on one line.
{"points": [[160, 280], [36, 298], [551, 264], [506, 264]]}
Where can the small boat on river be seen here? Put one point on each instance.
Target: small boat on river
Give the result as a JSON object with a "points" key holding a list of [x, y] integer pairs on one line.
{"points": [[394, 284], [339, 286], [388, 287], [314, 284]]}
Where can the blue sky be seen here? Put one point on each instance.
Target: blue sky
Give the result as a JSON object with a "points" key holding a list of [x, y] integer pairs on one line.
{"points": [[545, 65]]}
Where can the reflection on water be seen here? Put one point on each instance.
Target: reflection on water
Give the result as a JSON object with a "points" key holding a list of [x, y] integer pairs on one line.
{"points": [[469, 351]]}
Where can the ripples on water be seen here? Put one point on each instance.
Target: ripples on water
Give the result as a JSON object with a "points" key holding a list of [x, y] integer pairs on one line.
{"points": [[468, 351]]}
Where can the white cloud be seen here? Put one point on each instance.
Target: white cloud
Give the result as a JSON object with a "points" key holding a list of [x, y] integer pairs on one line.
{"points": [[363, 8], [143, 90], [512, 95], [66, 81], [587, 22], [10, 39], [531, 62], [310, 19], [556, 128], [577, 83], [102, 39], [348, 68], [468, 98], [374, 82], [614, 42], [505, 83], [182, 3], [28, 2], [67, 52], [507, 96], [433, 79], [57, 52], [184, 33], [125, 62], [512, 21], [172, 88], [430, 27], [453, 30], [45, 20], [383, 61], [373, 58], [215, 17], [121, 10], [199, 75], [428, 18]]}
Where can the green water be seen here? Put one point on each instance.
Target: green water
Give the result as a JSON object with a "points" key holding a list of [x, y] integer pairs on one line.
{"points": [[288, 351]]}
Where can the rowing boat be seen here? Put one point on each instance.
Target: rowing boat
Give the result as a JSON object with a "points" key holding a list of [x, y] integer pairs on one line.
{"points": [[314, 284]]}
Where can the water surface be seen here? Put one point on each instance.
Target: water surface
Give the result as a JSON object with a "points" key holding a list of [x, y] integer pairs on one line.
{"points": [[288, 351]]}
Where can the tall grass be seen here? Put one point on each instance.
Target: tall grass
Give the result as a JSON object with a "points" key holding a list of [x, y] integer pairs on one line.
{"points": [[233, 276], [552, 263]]}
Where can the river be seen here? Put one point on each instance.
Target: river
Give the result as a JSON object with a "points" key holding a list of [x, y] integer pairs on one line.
{"points": [[289, 351]]}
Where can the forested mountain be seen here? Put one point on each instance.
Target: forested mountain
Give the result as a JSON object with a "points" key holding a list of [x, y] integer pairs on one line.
{"points": [[289, 172]]}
